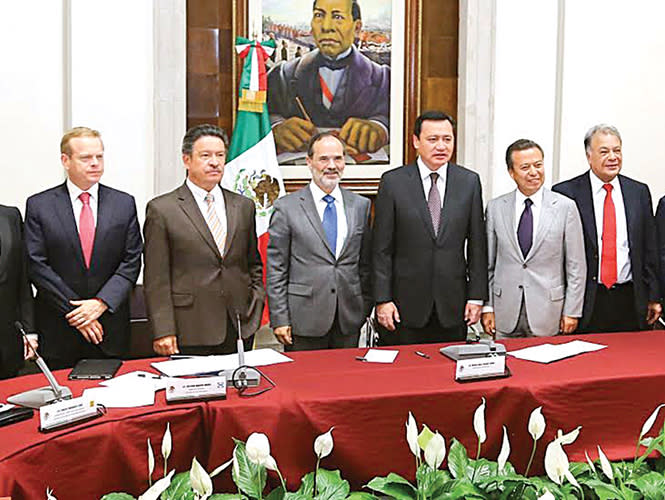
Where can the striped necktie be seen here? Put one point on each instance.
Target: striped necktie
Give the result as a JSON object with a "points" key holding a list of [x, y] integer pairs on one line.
{"points": [[214, 224]]}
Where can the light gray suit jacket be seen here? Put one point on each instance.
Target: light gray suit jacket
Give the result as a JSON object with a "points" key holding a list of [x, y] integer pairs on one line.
{"points": [[306, 284], [553, 274]]}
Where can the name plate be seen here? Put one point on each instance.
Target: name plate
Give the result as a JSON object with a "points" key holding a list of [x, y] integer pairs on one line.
{"points": [[67, 412], [185, 389], [478, 368]]}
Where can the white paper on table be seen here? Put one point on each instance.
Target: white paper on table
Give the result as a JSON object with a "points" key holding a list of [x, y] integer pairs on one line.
{"points": [[546, 353], [210, 364], [121, 397], [137, 378], [380, 356]]}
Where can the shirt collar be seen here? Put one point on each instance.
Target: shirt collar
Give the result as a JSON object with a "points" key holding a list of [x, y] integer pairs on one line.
{"points": [[319, 193], [597, 184], [536, 198], [339, 56], [75, 191], [200, 193], [425, 172]]}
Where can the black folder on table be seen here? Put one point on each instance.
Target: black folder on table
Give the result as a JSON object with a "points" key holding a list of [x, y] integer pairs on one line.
{"points": [[95, 369]]}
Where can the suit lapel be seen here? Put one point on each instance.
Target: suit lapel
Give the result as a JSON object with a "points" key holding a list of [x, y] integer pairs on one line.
{"points": [[191, 209], [630, 203], [350, 209], [309, 208], [451, 199], [547, 214], [232, 215], [415, 186], [585, 204], [5, 244], [508, 216], [104, 213], [62, 206]]}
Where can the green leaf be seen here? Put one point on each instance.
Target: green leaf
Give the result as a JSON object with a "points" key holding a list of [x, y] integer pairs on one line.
{"points": [[460, 489], [424, 437], [276, 494], [251, 478], [330, 485], [458, 461], [393, 485], [651, 485], [117, 496], [604, 491], [430, 481], [179, 489], [226, 496], [360, 495]]}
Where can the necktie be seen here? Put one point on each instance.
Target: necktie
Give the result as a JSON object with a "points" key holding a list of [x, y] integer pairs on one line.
{"points": [[608, 258], [214, 224], [525, 228], [86, 228], [330, 222], [434, 203]]}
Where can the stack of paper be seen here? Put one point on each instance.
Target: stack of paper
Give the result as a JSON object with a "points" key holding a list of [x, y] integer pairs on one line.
{"points": [[546, 353]]}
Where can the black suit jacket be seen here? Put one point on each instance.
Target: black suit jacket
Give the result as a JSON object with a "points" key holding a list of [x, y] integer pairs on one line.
{"points": [[417, 270], [15, 293], [660, 227], [641, 239], [57, 268]]}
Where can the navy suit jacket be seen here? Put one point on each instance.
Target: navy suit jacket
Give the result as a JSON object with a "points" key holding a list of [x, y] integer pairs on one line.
{"points": [[660, 226], [641, 239], [58, 271]]}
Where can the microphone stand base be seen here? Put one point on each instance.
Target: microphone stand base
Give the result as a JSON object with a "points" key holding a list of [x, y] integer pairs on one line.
{"points": [[37, 398]]}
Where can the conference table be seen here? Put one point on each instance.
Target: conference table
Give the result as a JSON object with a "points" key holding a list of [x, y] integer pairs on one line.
{"points": [[610, 393]]}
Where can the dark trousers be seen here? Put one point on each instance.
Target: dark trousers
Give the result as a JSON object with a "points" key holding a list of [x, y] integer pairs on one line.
{"points": [[333, 339], [229, 346], [431, 333], [614, 310]]}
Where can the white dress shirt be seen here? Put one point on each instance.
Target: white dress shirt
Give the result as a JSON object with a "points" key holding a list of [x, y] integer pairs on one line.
{"points": [[537, 205], [425, 173], [200, 194], [77, 204], [342, 226], [624, 273]]}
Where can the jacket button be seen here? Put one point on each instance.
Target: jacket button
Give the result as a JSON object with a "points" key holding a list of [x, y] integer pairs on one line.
{"points": [[520, 287], [332, 290], [523, 266]]}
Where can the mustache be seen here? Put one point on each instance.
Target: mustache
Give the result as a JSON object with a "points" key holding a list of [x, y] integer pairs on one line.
{"points": [[331, 171]]}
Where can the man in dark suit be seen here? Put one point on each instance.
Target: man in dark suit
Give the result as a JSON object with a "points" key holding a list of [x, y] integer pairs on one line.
{"points": [[84, 247], [318, 273], [15, 293], [429, 242], [622, 290], [660, 227], [202, 265]]}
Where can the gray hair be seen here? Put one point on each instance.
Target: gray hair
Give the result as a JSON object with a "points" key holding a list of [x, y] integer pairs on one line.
{"points": [[601, 128]]}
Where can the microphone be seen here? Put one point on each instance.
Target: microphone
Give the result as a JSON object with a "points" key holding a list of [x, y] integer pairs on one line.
{"points": [[44, 395], [241, 345]]}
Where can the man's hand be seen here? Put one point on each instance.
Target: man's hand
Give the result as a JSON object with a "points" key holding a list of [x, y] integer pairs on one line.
{"points": [[165, 346], [388, 315], [489, 324], [28, 353], [87, 311], [568, 325], [283, 334], [93, 332], [654, 310], [293, 134], [362, 136], [472, 313]]}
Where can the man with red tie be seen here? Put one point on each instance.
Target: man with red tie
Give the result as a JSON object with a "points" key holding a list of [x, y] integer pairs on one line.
{"points": [[84, 249], [622, 290]]}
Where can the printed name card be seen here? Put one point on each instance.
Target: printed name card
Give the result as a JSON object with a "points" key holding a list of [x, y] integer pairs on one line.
{"points": [[477, 368], [186, 389], [67, 412]]}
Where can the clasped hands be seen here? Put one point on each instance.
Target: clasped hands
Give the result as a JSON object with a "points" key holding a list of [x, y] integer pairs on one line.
{"points": [[84, 318]]}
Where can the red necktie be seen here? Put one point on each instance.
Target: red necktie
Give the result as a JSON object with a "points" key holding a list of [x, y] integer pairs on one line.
{"points": [[608, 258], [86, 228]]}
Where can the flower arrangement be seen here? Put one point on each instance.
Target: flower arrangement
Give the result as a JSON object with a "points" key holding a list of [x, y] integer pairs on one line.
{"points": [[465, 477]]}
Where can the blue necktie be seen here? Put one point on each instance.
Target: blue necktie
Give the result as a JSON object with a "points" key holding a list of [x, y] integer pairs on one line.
{"points": [[330, 222], [525, 228]]}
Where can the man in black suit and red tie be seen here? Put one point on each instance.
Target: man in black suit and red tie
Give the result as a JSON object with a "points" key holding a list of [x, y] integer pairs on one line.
{"points": [[622, 290], [84, 247], [429, 243]]}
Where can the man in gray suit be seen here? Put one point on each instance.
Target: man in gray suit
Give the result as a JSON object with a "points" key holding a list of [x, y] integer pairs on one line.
{"points": [[537, 267], [318, 257]]}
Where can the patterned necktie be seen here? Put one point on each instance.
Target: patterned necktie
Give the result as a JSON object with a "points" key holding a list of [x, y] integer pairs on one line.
{"points": [[86, 228], [214, 224], [434, 203], [525, 228], [608, 257], [330, 222]]}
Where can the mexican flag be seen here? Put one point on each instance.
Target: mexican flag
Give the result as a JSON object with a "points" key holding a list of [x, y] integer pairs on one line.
{"points": [[252, 169]]}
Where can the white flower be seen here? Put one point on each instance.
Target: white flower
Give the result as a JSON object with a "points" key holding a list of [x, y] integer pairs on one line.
{"points": [[151, 460], [49, 494], [546, 496], [570, 437], [269, 463], [505, 451], [412, 435], [556, 460], [222, 467], [479, 422], [257, 448], [588, 460], [650, 421], [605, 464], [200, 480], [435, 451], [537, 424], [167, 442], [158, 488], [323, 444]]}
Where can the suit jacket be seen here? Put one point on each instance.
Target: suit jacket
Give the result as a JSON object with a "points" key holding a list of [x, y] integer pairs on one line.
{"points": [[642, 240], [191, 290], [58, 271], [551, 277], [418, 270], [307, 285], [364, 91], [15, 294], [660, 227]]}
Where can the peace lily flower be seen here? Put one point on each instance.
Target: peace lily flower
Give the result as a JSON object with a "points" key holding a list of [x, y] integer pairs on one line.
{"points": [[589, 461], [158, 488], [223, 467], [200, 480], [257, 448], [412, 435], [323, 444], [605, 464], [479, 423], [435, 451], [537, 424], [648, 424], [151, 463], [546, 496], [505, 451], [556, 460], [167, 443], [49, 494]]}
